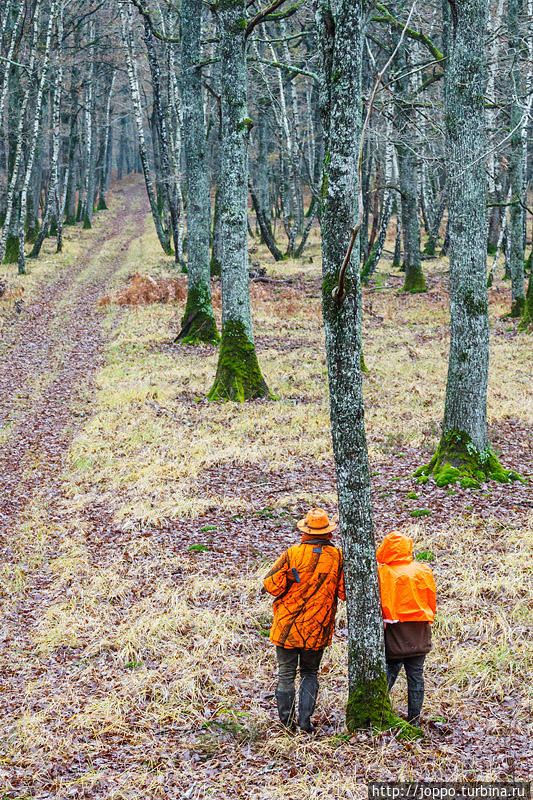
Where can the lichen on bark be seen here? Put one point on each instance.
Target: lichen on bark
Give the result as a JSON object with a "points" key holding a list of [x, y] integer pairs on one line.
{"points": [[238, 375], [199, 309]]}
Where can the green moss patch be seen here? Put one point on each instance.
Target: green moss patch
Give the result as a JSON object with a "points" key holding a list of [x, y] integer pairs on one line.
{"points": [[420, 512], [457, 460], [369, 706], [198, 323], [238, 374]]}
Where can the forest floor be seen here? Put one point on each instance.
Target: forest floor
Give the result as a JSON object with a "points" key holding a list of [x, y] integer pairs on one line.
{"points": [[136, 521]]}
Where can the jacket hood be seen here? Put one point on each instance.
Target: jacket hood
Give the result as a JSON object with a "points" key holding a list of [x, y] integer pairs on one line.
{"points": [[396, 548]]}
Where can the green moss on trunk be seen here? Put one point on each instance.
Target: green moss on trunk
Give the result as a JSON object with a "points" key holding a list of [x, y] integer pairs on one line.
{"points": [[517, 307], [527, 316], [238, 375], [12, 250], [198, 323], [430, 248], [32, 233], [414, 279], [215, 267], [369, 705], [457, 459], [86, 222]]}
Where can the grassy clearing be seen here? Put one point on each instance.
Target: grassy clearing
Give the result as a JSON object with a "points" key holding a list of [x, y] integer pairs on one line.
{"points": [[143, 668]]}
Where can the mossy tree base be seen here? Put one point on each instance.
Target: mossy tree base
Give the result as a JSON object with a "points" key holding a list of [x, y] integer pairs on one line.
{"points": [[11, 255], [198, 324], [458, 460], [370, 706], [431, 247], [517, 307], [414, 280], [31, 234], [527, 317], [87, 224], [238, 375]]}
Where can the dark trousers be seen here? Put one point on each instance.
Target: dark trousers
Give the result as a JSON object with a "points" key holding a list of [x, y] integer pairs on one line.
{"points": [[288, 662], [414, 671], [290, 659]]}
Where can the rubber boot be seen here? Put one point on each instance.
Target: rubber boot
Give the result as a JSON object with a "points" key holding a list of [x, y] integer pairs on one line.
{"points": [[307, 702], [415, 698], [285, 701]]}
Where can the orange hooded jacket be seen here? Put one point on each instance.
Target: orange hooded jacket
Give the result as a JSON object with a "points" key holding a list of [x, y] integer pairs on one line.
{"points": [[408, 592], [307, 580]]}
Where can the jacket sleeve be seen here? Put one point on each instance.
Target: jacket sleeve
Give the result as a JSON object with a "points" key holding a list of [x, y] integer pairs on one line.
{"points": [[341, 593], [275, 581]]}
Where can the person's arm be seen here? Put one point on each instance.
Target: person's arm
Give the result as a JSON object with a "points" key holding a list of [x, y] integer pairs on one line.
{"points": [[275, 582], [341, 592]]}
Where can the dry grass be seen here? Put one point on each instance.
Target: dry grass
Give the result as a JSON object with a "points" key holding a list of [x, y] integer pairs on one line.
{"points": [[142, 665]]}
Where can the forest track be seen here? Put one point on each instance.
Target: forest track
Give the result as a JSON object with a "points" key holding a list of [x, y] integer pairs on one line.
{"points": [[50, 352]]}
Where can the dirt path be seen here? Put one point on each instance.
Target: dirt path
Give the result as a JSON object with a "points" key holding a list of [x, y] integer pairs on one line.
{"points": [[51, 350]]}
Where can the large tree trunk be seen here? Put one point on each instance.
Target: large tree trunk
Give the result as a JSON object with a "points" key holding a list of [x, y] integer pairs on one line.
{"points": [[407, 170], [341, 33], [238, 374], [463, 453], [516, 227], [198, 318]]}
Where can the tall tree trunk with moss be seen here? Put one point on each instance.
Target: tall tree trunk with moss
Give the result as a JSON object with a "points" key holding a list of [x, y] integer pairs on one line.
{"points": [[238, 374], [407, 171], [463, 453], [516, 226], [198, 315], [341, 33]]}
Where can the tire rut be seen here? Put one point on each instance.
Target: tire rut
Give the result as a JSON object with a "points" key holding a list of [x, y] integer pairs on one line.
{"points": [[33, 454]]}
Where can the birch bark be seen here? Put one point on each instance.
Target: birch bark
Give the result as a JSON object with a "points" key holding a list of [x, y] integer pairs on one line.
{"points": [[19, 153]]}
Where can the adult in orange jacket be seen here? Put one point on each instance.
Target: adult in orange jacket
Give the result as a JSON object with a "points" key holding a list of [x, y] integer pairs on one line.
{"points": [[408, 604], [306, 581]]}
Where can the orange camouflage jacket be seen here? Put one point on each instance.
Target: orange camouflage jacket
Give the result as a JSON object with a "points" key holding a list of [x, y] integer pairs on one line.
{"points": [[306, 581]]}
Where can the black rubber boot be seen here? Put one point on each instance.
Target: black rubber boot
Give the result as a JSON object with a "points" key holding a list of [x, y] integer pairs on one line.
{"points": [[415, 698], [285, 701], [307, 702]]}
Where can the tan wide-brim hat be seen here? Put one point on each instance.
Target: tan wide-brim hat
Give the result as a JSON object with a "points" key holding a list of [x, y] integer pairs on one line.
{"points": [[316, 523]]}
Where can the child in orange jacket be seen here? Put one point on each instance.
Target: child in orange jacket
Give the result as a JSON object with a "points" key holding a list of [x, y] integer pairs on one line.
{"points": [[408, 604], [306, 581]]}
